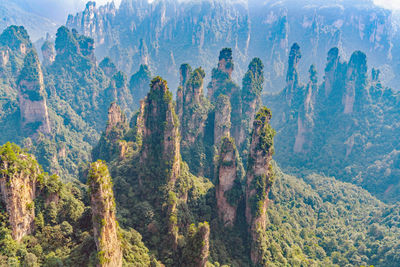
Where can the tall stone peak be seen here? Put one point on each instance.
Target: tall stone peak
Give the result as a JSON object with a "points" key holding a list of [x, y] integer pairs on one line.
{"points": [[16, 38], [222, 121], [294, 58], [225, 61], [139, 83], [292, 76], [105, 226], [192, 110], [305, 116], [70, 44], [119, 79], [229, 175], [143, 53], [111, 142], [356, 78], [31, 96], [18, 179], [313, 75], [108, 67], [185, 71], [48, 52], [252, 86], [65, 42], [115, 118], [197, 248], [332, 71], [161, 137], [259, 178]]}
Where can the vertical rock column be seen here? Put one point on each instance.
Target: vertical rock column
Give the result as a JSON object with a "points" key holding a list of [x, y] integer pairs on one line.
{"points": [[259, 179], [252, 86], [161, 145], [292, 77], [228, 188], [105, 226], [18, 177], [31, 96]]}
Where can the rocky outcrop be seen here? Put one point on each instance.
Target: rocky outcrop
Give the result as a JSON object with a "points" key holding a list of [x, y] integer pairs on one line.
{"points": [[93, 21], [222, 122], [110, 143], [139, 83], [356, 78], [229, 175], [331, 70], [119, 92], [252, 86], [221, 82], [160, 151], [108, 67], [116, 118], [16, 38], [105, 227], [193, 109], [48, 53], [259, 178], [197, 248], [31, 96], [292, 77], [305, 116], [18, 178]]}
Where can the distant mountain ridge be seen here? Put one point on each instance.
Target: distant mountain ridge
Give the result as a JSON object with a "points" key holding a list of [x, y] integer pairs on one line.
{"points": [[168, 33]]}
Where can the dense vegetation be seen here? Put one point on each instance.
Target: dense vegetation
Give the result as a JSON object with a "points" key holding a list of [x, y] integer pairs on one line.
{"points": [[169, 163]]}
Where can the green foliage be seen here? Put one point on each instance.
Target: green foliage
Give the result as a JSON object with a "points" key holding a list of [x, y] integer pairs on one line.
{"points": [[266, 132]]}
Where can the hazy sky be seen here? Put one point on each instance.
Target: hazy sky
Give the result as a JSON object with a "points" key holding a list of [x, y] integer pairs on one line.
{"points": [[391, 4]]}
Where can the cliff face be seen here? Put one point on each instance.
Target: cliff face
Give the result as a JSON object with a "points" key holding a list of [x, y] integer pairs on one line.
{"points": [[305, 116], [259, 178], [94, 22], [292, 77], [196, 251], [139, 83], [193, 110], [18, 189], [222, 122], [252, 86], [31, 96], [119, 92], [161, 144], [110, 143], [105, 225], [48, 52], [356, 79], [229, 175]]}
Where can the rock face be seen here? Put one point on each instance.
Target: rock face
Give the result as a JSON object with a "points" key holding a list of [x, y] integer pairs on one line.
{"points": [[197, 248], [19, 173], [229, 175], [252, 86], [221, 75], [222, 122], [108, 67], [161, 144], [48, 52], [110, 143], [292, 77], [356, 77], [105, 225], [259, 178], [31, 95], [193, 110], [305, 119], [119, 92], [139, 83]]}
